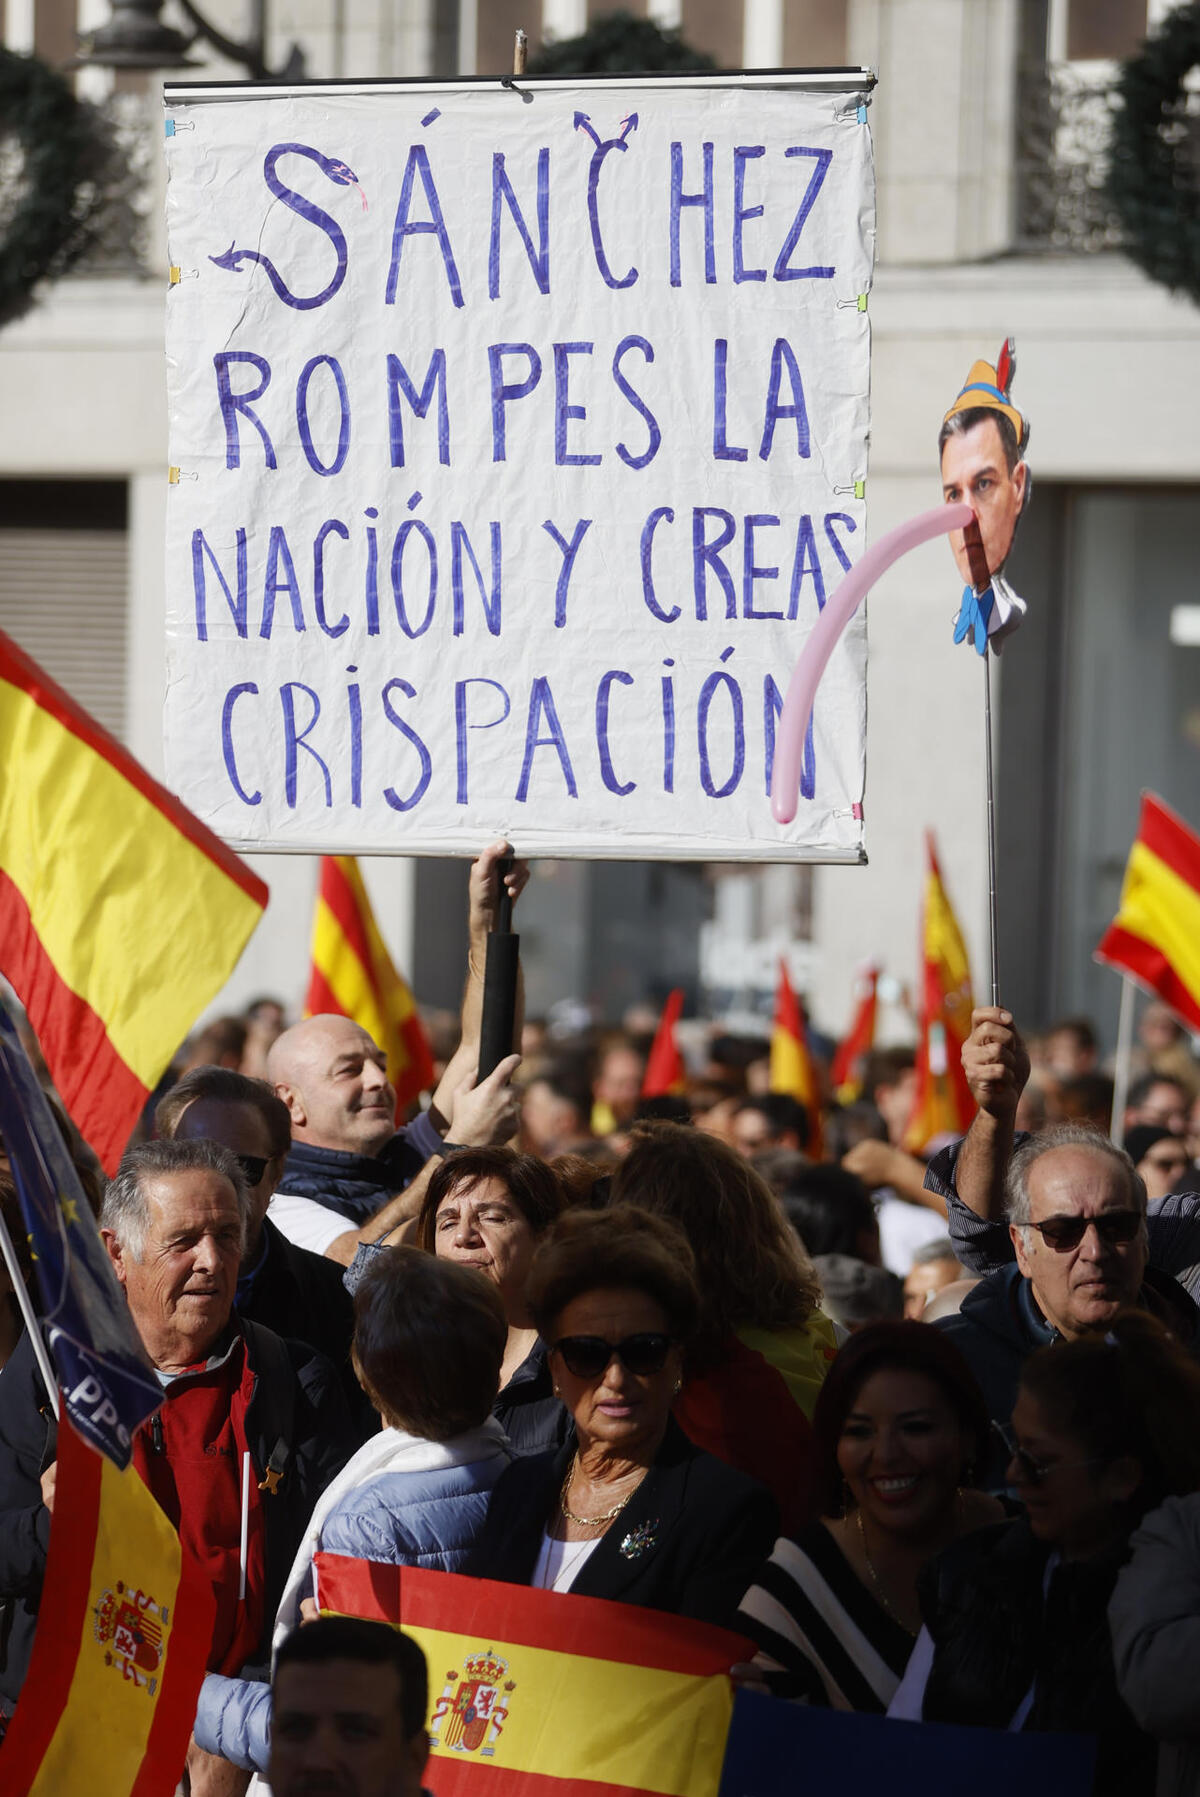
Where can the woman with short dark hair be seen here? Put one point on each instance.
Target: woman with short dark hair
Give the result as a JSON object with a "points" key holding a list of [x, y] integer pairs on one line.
{"points": [[429, 1340], [488, 1208], [628, 1508], [901, 1430]]}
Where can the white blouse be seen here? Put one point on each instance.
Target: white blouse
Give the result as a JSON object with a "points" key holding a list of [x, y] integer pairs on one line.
{"points": [[559, 1562]]}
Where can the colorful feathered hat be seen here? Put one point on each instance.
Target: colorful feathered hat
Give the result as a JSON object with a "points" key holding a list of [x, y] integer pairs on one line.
{"points": [[989, 387]]}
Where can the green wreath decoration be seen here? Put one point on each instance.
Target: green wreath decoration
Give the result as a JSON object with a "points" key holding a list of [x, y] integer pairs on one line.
{"points": [[51, 150], [1153, 169]]}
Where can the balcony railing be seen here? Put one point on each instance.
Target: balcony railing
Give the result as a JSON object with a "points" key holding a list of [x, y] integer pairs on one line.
{"points": [[1064, 124], [126, 188]]}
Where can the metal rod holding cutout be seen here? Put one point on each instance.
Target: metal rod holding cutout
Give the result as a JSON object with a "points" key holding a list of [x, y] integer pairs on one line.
{"points": [[1121, 1068], [981, 581]]}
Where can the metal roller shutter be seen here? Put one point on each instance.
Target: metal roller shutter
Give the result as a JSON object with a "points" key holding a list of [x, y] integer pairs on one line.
{"points": [[64, 586]]}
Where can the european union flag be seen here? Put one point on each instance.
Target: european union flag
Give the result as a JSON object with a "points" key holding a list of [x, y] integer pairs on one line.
{"points": [[775, 1749], [108, 1383]]}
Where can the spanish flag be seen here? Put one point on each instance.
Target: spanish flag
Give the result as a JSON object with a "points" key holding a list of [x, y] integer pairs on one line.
{"points": [[544, 1694], [845, 1075], [943, 1105], [752, 1407], [1155, 936], [121, 915], [352, 974], [123, 1632], [792, 1069], [666, 1075]]}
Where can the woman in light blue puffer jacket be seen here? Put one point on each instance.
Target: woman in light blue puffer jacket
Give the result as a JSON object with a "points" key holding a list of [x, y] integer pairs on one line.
{"points": [[415, 1494]]}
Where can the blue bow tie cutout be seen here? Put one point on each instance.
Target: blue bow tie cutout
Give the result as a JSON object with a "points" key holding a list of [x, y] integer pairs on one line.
{"points": [[973, 616]]}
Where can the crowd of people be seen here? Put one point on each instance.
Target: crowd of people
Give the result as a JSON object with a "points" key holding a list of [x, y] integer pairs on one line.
{"points": [[923, 1430]]}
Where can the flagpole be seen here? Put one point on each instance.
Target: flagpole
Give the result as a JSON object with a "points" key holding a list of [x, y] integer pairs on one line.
{"points": [[24, 1304], [1121, 1070], [991, 824]]}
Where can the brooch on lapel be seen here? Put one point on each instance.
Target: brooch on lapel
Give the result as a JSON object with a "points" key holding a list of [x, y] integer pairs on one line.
{"points": [[638, 1540]]}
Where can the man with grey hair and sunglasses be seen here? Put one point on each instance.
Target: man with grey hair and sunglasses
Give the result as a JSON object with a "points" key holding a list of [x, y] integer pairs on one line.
{"points": [[1076, 1210], [252, 1427]]}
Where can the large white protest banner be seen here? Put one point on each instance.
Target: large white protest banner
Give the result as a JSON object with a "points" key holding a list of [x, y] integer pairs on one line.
{"points": [[517, 436]]}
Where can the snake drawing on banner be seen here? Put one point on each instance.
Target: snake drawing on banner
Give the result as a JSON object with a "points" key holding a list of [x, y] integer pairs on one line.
{"points": [[342, 176]]}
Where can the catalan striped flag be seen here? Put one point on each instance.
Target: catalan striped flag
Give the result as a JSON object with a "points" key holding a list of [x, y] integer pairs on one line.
{"points": [[124, 1627], [121, 915], [352, 974], [1155, 936], [544, 1694], [845, 1075], [666, 1075], [943, 1104], [792, 1069]]}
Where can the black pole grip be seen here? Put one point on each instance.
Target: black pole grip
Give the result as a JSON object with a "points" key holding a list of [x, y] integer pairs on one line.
{"points": [[499, 1000]]}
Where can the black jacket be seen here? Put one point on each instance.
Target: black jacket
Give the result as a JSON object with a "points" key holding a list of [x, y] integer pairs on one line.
{"points": [[998, 1629], [535, 1421], [689, 1542], [28, 1437], [301, 1296], [357, 1185], [297, 1402]]}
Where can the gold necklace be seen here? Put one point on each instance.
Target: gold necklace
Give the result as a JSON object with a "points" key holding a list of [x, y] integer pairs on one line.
{"points": [[590, 1522], [877, 1581]]}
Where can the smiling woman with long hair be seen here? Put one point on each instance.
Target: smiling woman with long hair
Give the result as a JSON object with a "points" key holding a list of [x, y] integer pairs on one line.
{"points": [[900, 1431]]}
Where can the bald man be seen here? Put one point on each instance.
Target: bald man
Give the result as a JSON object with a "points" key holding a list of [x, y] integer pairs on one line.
{"points": [[350, 1176]]}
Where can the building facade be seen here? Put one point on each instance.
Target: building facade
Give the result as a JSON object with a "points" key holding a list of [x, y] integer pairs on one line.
{"points": [[989, 124]]}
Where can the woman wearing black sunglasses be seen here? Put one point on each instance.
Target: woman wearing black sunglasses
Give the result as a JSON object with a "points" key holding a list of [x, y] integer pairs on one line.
{"points": [[1016, 1631], [628, 1508]]}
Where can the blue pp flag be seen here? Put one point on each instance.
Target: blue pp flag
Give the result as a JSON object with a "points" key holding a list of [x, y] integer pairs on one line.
{"points": [[108, 1383], [776, 1749]]}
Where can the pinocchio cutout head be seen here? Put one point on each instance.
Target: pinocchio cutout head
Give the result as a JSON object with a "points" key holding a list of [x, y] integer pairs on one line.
{"points": [[982, 445]]}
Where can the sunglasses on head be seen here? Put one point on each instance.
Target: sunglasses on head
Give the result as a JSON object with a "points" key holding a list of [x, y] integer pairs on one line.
{"points": [[1112, 1226], [253, 1166], [587, 1356]]}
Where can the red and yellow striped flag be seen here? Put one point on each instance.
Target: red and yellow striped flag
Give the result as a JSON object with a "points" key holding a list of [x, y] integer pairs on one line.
{"points": [[943, 1105], [544, 1694], [352, 974], [1155, 936], [121, 915], [124, 1627], [792, 1069], [845, 1075]]}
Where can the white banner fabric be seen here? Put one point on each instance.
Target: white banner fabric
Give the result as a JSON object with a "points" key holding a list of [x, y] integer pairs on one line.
{"points": [[517, 436]]}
